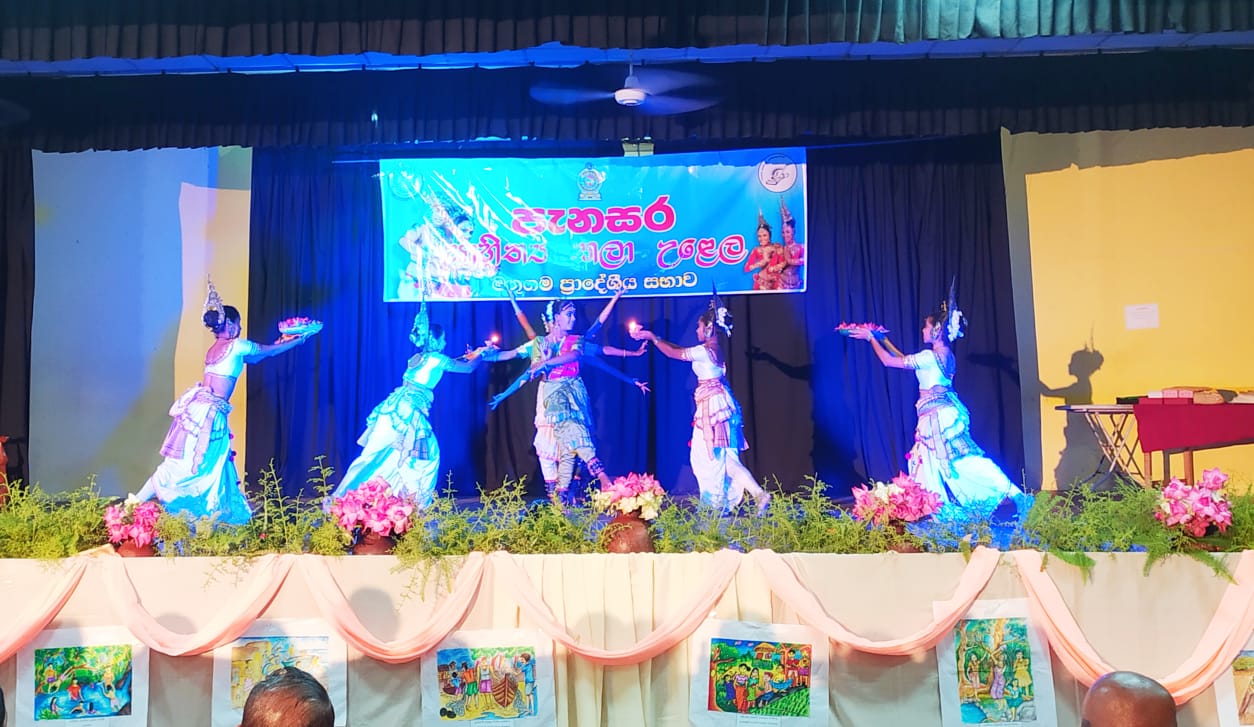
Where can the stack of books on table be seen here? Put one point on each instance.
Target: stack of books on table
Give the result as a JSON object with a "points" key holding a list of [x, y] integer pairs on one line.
{"points": [[1199, 395]]}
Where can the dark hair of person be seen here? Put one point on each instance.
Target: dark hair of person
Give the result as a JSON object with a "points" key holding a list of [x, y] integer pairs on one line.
{"points": [[724, 341], [434, 332], [210, 318], [765, 226], [288, 697], [943, 319], [950, 365]]}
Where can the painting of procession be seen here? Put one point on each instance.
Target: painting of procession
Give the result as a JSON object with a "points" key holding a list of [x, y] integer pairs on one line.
{"points": [[82, 682], [487, 683], [994, 666], [759, 677]]}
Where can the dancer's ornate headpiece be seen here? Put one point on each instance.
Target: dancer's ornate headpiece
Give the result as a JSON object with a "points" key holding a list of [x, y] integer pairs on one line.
{"points": [[762, 221], [951, 314], [784, 214], [721, 319], [213, 302], [421, 331], [554, 307]]}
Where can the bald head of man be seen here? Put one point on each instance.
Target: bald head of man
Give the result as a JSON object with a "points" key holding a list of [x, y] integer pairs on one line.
{"points": [[1127, 699]]}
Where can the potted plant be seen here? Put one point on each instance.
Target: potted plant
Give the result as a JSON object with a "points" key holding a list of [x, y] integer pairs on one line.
{"points": [[132, 526], [1198, 510], [373, 515], [893, 504], [634, 501]]}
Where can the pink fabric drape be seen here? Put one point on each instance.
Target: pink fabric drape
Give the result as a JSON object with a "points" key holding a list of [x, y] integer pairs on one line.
{"points": [[339, 613], [1229, 629], [266, 577], [665, 637], [40, 610], [783, 581]]}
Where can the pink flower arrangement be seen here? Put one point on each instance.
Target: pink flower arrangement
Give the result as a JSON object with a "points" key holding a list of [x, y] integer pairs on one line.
{"points": [[902, 499], [374, 508], [629, 494], [1195, 508], [132, 520]]}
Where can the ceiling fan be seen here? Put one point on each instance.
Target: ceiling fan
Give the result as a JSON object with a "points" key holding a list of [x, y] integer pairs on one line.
{"points": [[651, 90]]}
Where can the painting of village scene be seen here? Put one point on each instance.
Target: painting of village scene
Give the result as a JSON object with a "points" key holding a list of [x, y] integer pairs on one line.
{"points": [[252, 658], [759, 677], [82, 682], [994, 661], [487, 683]]}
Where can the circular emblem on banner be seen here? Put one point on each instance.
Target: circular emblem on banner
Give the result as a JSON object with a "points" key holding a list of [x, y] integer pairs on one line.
{"points": [[590, 181], [777, 173]]}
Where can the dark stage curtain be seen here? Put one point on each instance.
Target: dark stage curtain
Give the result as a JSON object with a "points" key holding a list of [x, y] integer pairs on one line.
{"points": [[55, 30], [17, 300], [799, 102], [889, 225]]}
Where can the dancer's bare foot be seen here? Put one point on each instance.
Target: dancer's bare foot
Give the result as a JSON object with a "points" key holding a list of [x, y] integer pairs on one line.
{"points": [[763, 501]]}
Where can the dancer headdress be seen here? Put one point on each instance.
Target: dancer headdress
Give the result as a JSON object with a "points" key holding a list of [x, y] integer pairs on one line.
{"points": [[762, 223], [721, 317], [784, 214], [554, 307], [953, 317], [213, 302], [421, 332]]}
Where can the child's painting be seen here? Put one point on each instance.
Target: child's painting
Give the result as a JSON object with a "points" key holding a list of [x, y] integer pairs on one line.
{"points": [[271, 645], [993, 669], [759, 674], [1234, 690], [95, 676], [484, 677]]}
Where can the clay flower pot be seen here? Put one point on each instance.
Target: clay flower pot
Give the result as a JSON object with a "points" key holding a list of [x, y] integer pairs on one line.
{"points": [[128, 549], [371, 543], [903, 546], [627, 532]]}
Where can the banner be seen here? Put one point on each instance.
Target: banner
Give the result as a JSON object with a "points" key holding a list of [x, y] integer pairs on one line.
{"points": [[675, 224]]}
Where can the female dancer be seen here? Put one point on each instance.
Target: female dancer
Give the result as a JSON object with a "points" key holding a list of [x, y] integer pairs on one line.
{"points": [[592, 352], [944, 458], [198, 474], [766, 261], [399, 445], [717, 426], [563, 413]]}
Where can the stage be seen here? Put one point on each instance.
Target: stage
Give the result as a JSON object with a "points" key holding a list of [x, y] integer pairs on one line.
{"points": [[621, 623]]}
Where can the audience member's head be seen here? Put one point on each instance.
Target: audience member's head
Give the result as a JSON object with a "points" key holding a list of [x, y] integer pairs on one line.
{"points": [[1127, 699], [289, 697]]}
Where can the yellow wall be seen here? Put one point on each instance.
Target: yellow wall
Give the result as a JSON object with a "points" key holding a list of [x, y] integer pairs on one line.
{"points": [[1104, 220], [215, 244]]}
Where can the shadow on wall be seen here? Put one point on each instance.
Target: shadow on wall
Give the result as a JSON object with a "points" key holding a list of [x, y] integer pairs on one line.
{"points": [[1081, 456]]}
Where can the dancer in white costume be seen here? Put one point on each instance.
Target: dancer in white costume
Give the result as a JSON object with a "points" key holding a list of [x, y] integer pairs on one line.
{"points": [[198, 474], [718, 425], [399, 445], [944, 459]]}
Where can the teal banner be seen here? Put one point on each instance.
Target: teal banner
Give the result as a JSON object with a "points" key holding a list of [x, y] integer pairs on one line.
{"points": [[677, 224]]}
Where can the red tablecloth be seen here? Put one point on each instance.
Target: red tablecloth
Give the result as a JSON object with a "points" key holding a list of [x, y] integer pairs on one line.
{"points": [[1193, 426]]}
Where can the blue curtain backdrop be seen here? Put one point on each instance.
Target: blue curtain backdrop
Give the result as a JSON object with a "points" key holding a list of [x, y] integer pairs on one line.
{"points": [[889, 225]]}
